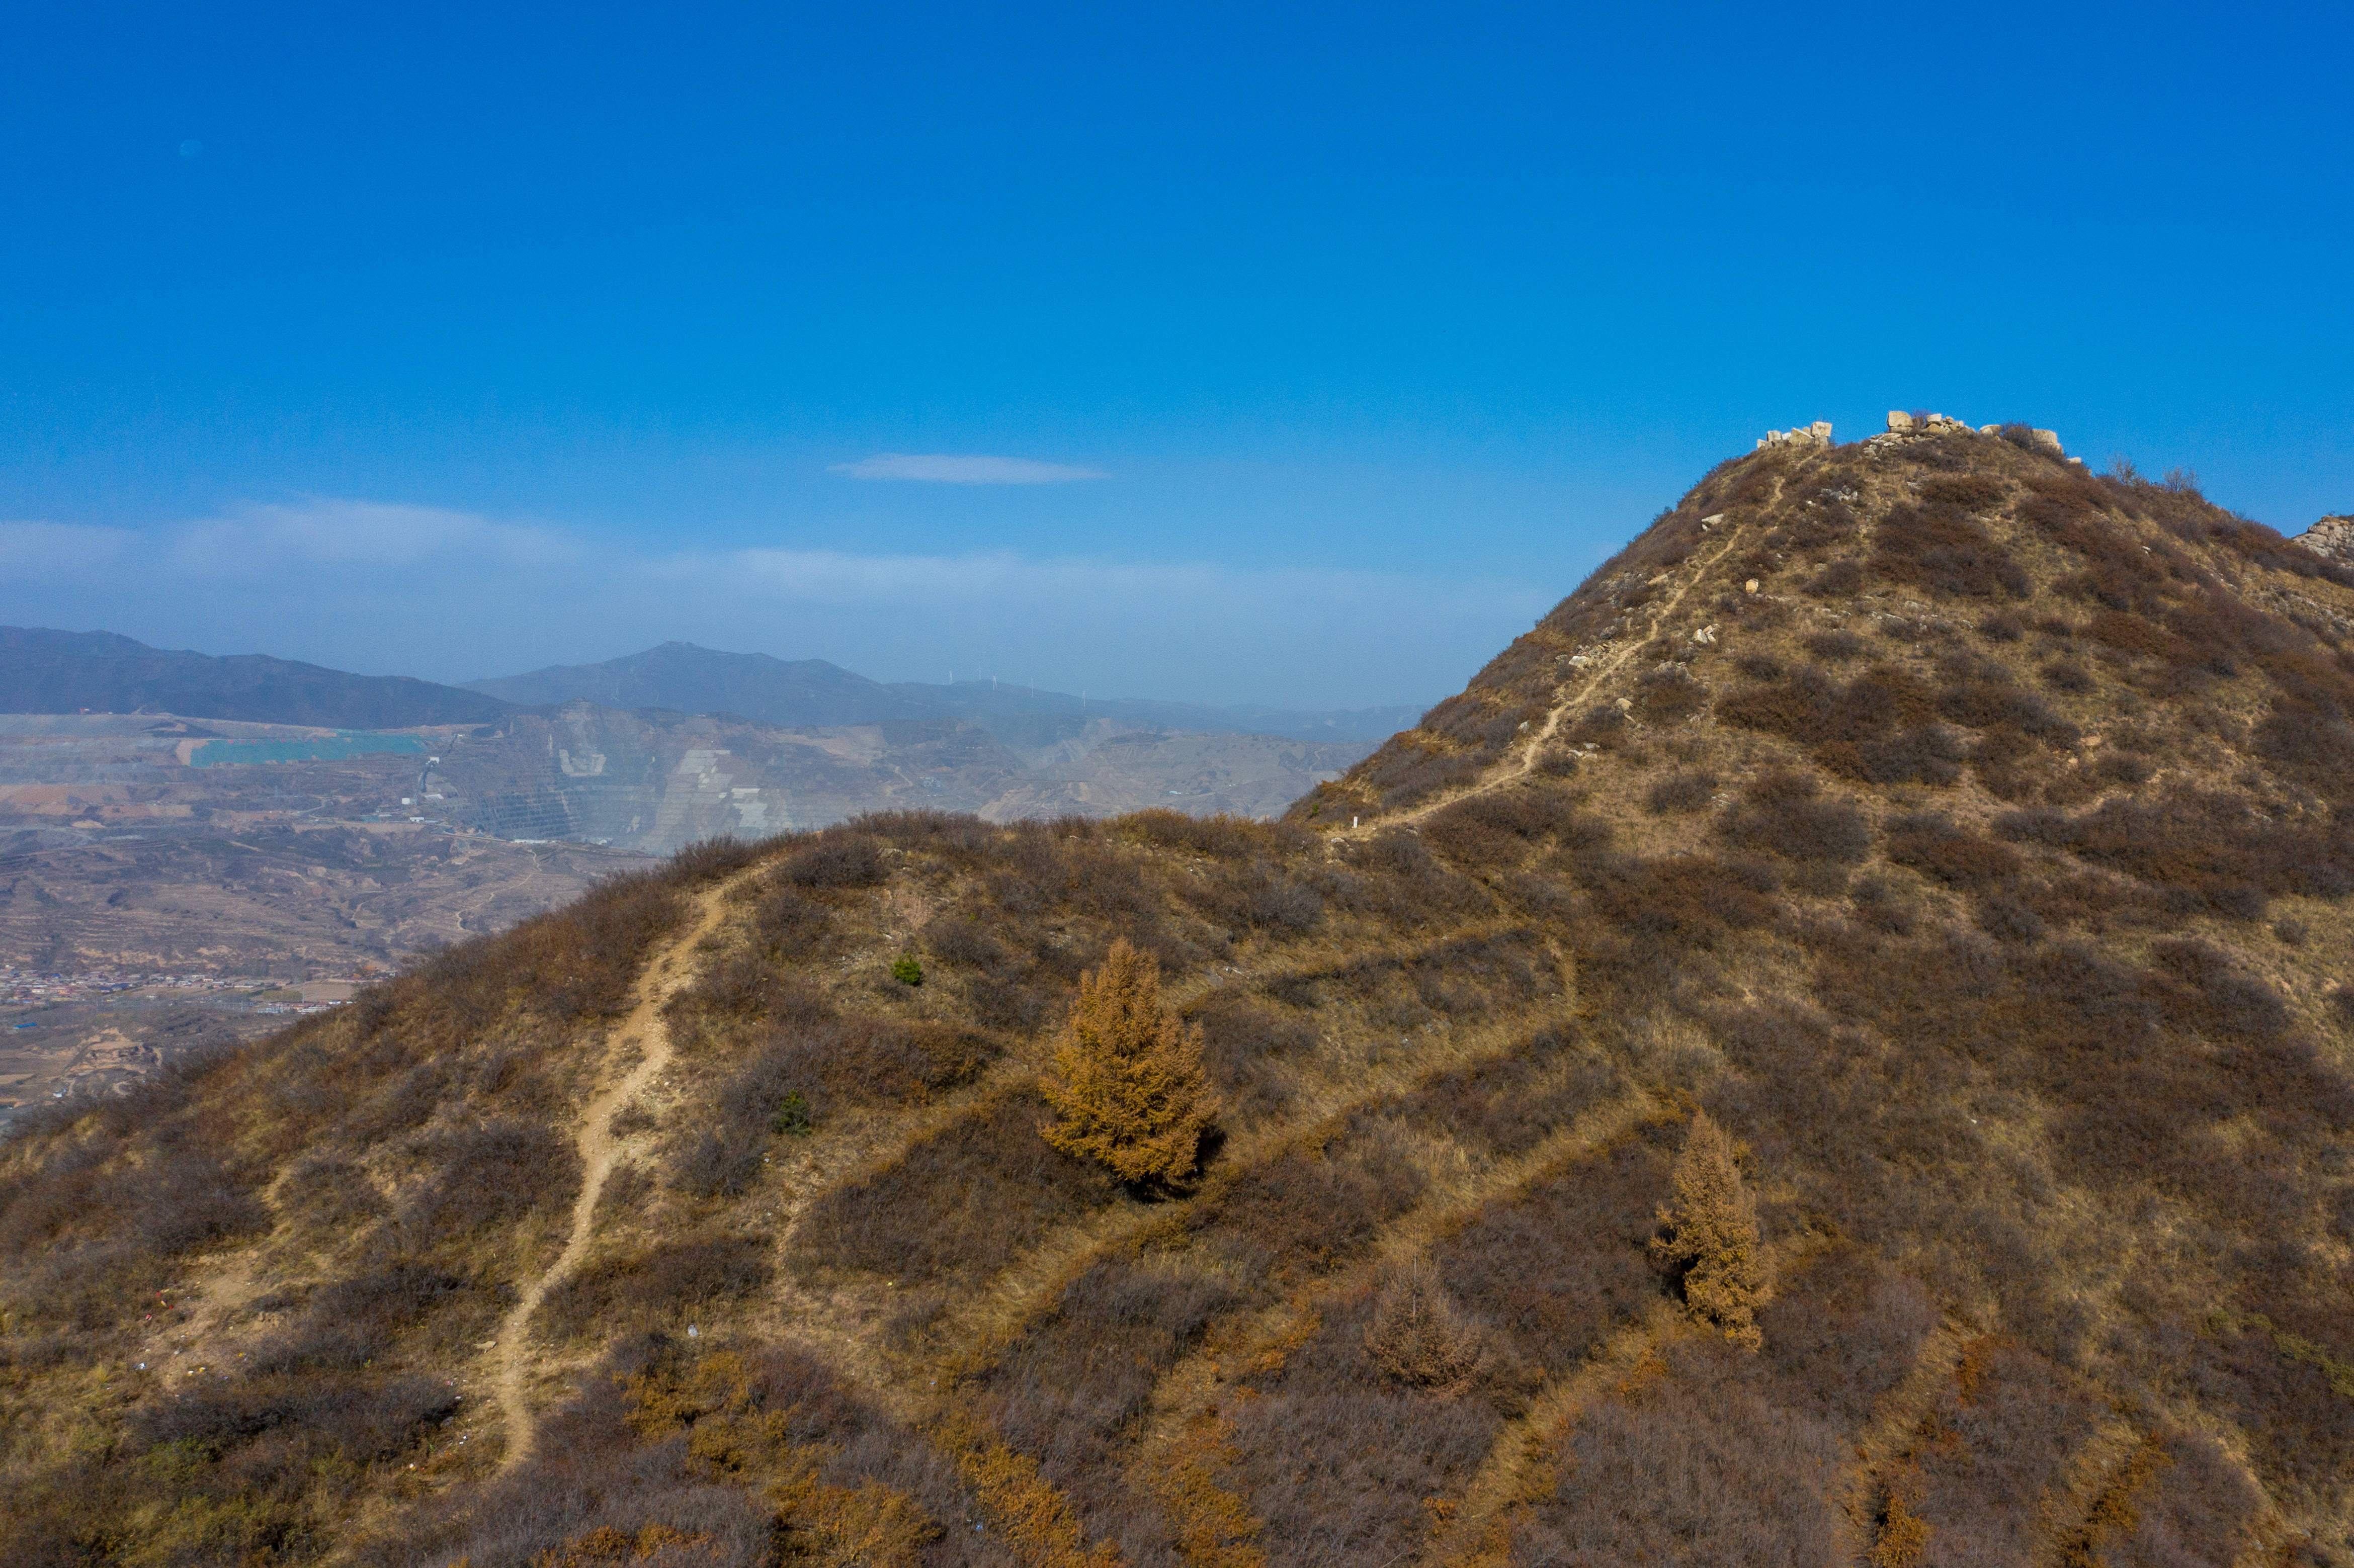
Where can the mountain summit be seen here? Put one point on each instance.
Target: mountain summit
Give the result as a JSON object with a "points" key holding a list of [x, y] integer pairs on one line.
{"points": [[1831, 1049]]}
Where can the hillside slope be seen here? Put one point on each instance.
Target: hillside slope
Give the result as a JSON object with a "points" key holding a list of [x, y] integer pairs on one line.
{"points": [[1968, 836], [45, 672]]}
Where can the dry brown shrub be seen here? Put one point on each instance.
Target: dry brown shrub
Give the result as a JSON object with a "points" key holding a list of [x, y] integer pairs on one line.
{"points": [[1837, 580], [1420, 1335], [1669, 695], [1497, 826], [1933, 845], [643, 1289], [1941, 549], [1784, 813], [1412, 766], [2002, 626], [1680, 792], [960, 1201], [1712, 1236], [654, 1546], [494, 1173], [1690, 901], [1126, 1080], [1971, 492], [837, 858]]}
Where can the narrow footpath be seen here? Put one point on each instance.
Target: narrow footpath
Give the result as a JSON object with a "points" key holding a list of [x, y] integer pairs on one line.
{"points": [[644, 1028]]}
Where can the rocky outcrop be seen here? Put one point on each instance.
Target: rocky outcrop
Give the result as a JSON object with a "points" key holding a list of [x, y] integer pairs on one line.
{"points": [[2332, 537], [1901, 423], [1817, 434]]}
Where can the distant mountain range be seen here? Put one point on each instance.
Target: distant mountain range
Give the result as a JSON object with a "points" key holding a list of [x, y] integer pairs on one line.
{"points": [[800, 693], [47, 672]]}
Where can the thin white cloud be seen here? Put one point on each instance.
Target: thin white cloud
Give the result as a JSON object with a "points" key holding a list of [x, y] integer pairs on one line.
{"points": [[64, 550], [942, 468], [322, 531]]}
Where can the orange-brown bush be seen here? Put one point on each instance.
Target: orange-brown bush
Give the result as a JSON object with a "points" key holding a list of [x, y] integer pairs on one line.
{"points": [[1710, 1236], [1125, 1079]]}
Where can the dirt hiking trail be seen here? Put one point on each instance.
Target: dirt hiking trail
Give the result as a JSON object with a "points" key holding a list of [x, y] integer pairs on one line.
{"points": [[665, 972], [1514, 769]]}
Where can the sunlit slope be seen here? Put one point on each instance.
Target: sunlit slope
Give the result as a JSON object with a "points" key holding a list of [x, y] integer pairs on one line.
{"points": [[1979, 870]]}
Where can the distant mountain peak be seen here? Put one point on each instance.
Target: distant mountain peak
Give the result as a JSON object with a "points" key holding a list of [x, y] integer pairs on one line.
{"points": [[43, 670]]}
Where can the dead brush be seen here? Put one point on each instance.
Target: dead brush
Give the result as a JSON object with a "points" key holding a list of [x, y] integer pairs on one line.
{"points": [[1420, 1337]]}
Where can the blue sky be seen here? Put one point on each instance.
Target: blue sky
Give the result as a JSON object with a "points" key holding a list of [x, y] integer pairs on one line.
{"points": [[460, 340]]}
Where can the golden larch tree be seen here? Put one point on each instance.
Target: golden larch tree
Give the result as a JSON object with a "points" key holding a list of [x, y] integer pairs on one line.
{"points": [[1125, 1079], [1711, 1235]]}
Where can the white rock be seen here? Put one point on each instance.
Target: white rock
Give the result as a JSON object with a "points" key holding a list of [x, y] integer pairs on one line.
{"points": [[2332, 537], [1898, 420]]}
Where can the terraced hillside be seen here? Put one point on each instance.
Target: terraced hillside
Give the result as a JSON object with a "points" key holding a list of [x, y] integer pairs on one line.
{"points": [[1962, 833]]}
